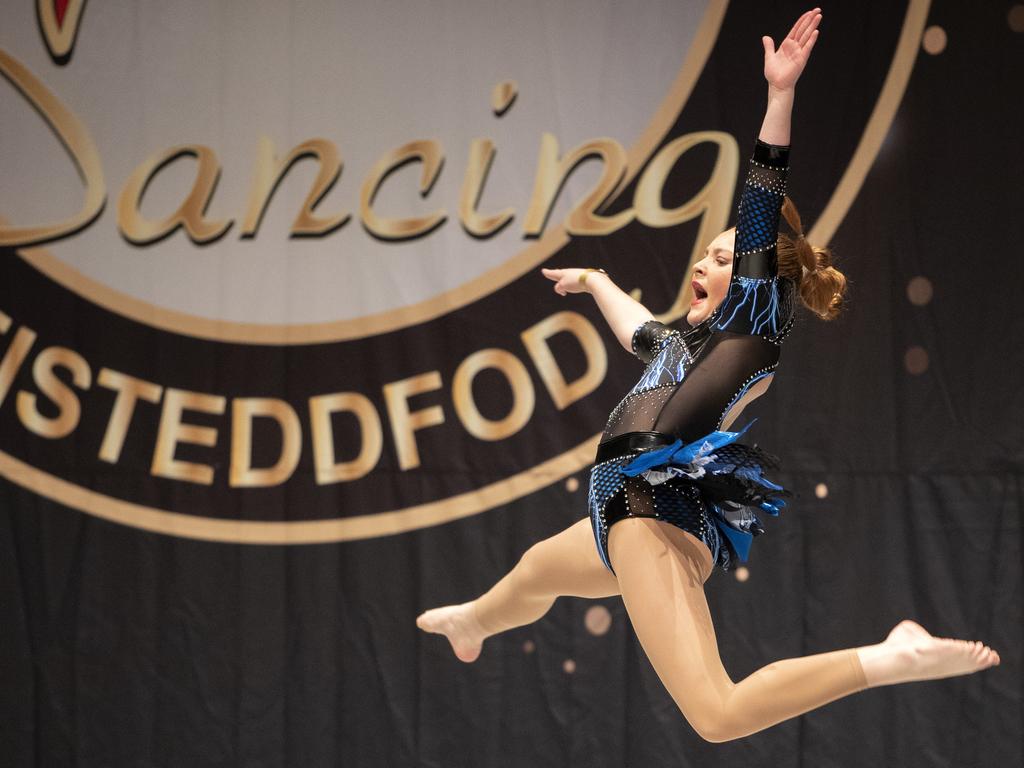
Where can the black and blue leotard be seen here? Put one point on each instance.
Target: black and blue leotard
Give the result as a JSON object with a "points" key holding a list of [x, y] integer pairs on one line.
{"points": [[663, 454]]}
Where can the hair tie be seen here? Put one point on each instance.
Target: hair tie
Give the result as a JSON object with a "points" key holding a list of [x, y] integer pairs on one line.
{"points": [[806, 251]]}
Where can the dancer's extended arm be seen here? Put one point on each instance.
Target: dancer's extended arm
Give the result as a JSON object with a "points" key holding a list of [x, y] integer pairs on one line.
{"points": [[623, 313], [782, 68], [755, 304]]}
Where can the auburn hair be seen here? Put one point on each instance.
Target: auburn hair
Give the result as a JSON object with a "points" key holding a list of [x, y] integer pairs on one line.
{"points": [[821, 286]]}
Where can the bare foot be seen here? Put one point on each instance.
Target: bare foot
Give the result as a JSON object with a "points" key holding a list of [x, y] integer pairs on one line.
{"points": [[910, 653], [459, 624]]}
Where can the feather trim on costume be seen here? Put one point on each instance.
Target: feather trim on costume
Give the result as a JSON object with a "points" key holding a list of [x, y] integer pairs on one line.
{"points": [[730, 476]]}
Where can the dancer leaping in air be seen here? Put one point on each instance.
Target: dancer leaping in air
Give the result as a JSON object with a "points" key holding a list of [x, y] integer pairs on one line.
{"points": [[673, 492]]}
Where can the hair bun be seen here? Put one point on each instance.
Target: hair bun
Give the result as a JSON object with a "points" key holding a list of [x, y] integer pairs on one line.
{"points": [[821, 285], [822, 291], [822, 258]]}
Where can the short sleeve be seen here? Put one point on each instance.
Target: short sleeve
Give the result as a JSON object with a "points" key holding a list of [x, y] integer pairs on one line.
{"points": [[649, 338]]}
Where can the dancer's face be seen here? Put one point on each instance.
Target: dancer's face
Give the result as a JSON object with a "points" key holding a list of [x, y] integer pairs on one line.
{"points": [[711, 277]]}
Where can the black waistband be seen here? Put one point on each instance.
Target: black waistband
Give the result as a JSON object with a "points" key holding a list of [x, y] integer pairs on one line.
{"points": [[631, 442]]}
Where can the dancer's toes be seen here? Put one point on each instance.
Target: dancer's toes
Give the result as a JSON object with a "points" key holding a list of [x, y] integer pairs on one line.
{"points": [[987, 656], [459, 624]]}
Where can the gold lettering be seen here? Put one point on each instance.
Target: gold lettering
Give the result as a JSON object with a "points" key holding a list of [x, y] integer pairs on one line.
{"points": [[79, 145], [243, 410], [57, 391], [428, 152], [481, 155], [321, 409], [191, 214], [15, 355], [522, 394], [712, 202], [129, 390], [173, 431], [270, 170], [405, 423], [552, 174], [536, 340]]}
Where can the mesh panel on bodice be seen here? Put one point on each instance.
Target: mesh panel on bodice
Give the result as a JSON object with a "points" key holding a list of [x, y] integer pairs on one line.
{"points": [[694, 377], [689, 395]]}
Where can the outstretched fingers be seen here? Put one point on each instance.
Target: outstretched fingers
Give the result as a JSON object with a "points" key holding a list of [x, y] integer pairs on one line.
{"points": [[797, 45], [810, 43], [802, 24], [558, 277], [795, 31], [810, 31]]}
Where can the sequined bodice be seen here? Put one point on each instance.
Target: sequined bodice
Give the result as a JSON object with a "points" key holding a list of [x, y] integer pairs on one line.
{"points": [[694, 377]]}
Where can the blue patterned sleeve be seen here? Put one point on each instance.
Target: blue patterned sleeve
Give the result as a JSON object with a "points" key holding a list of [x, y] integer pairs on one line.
{"points": [[756, 303]]}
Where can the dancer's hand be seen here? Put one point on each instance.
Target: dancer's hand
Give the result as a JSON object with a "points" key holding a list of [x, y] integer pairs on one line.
{"points": [[783, 67], [623, 313], [568, 280]]}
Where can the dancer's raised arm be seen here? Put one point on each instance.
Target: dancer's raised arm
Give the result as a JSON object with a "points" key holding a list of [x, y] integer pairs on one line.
{"points": [[623, 313], [782, 68], [755, 232], [755, 302]]}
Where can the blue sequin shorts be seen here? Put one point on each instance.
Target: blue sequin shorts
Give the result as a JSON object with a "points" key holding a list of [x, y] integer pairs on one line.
{"points": [[614, 497], [708, 488]]}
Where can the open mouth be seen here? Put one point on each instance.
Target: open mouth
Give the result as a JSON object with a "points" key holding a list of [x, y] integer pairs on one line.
{"points": [[699, 294]]}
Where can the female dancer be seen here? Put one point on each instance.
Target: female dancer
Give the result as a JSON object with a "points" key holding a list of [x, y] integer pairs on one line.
{"points": [[664, 513]]}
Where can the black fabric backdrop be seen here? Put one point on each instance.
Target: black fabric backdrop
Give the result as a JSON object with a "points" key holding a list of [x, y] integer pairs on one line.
{"points": [[122, 648]]}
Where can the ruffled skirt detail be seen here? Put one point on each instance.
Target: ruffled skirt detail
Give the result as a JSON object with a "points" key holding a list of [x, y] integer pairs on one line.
{"points": [[713, 488]]}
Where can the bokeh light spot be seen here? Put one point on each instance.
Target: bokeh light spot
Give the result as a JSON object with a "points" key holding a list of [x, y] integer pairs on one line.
{"points": [[916, 360], [529, 647], [572, 485], [598, 620], [821, 490], [568, 666], [919, 290], [742, 573], [1015, 18], [934, 40]]}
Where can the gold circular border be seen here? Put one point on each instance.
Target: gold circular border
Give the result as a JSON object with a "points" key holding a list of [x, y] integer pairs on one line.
{"points": [[502, 491], [305, 531]]}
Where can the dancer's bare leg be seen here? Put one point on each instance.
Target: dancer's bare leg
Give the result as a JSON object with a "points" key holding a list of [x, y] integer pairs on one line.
{"points": [[566, 564], [661, 571]]}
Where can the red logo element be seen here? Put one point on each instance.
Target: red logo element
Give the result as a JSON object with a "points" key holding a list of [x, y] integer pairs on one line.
{"points": [[59, 20], [61, 7]]}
